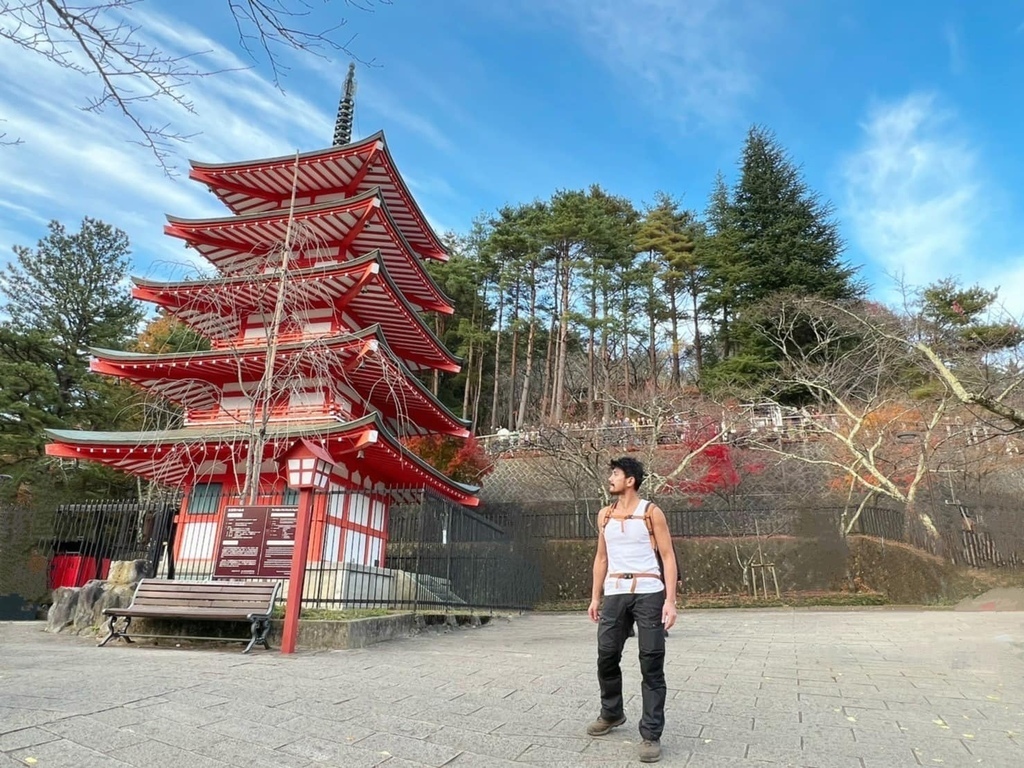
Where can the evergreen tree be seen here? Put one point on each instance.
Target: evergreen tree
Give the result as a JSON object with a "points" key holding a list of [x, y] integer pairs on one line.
{"points": [[772, 234], [789, 239], [71, 290], [61, 298], [672, 234]]}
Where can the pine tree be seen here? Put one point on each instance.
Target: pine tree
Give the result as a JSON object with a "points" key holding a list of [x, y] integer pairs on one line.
{"points": [[770, 235], [71, 290], [788, 236]]}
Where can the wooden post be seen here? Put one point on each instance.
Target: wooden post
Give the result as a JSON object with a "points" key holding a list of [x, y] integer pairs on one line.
{"points": [[297, 572]]}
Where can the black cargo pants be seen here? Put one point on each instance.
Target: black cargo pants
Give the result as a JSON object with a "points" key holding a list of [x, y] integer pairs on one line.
{"points": [[617, 615]]}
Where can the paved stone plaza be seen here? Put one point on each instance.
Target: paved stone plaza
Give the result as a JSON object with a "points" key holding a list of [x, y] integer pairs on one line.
{"points": [[852, 689]]}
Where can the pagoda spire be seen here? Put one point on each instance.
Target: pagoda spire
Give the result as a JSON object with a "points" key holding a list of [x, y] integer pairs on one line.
{"points": [[346, 107]]}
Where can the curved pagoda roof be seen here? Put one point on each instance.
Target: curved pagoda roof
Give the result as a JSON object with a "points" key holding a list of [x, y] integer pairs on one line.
{"points": [[362, 360], [346, 171], [362, 290], [326, 232], [179, 456]]}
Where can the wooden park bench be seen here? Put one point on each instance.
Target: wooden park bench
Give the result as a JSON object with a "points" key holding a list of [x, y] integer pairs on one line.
{"points": [[199, 601]]}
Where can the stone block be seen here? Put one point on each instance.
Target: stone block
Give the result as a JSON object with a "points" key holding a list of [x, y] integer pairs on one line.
{"points": [[128, 571], [62, 610]]}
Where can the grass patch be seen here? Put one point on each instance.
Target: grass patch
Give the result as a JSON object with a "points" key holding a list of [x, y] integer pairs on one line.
{"points": [[330, 614], [787, 600]]}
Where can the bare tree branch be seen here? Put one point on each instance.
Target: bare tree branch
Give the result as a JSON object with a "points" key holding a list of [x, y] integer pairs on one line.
{"points": [[95, 40]]}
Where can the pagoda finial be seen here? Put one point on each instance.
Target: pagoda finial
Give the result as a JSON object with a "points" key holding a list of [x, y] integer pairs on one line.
{"points": [[343, 125]]}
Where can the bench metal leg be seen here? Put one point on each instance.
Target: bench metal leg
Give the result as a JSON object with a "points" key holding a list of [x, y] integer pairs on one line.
{"points": [[259, 630], [114, 633]]}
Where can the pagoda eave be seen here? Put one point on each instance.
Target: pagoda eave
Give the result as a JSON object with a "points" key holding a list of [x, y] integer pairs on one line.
{"points": [[347, 170], [174, 457], [363, 360], [244, 242], [362, 288]]}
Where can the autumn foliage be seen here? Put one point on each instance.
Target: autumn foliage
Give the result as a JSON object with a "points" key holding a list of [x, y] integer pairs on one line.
{"points": [[463, 460]]}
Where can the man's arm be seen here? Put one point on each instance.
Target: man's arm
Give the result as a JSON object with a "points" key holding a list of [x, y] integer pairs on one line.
{"points": [[600, 567], [663, 538]]}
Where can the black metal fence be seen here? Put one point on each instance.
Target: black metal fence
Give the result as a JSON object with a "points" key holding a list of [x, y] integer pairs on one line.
{"points": [[87, 538], [403, 549], [579, 522]]}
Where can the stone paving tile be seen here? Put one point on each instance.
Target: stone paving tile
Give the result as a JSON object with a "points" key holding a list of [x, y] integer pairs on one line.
{"points": [[92, 733], [504, 747], [244, 754], [331, 752], [156, 753], [767, 688], [345, 732], [65, 753], [429, 753], [25, 737]]}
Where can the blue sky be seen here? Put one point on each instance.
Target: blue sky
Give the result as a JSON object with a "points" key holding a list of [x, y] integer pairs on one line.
{"points": [[907, 116]]}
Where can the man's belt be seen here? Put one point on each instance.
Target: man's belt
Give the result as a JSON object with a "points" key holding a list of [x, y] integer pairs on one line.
{"points": [[633, 577]]}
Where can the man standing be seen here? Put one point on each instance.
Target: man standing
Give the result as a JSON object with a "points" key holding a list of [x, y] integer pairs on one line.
{"points": [[635, 561]]}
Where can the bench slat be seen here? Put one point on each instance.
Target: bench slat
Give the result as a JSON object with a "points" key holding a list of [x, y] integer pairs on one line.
{"points": [[183, 613], [225, 605]]}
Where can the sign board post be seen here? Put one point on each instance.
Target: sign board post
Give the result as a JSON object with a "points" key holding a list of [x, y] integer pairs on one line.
{"points": [[297, 572]]}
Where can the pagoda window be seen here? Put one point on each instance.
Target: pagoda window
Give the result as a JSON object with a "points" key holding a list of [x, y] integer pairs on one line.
{"points": [[204, 499], [317, 322], [355, 547], [255, 328], [241, 403], [306, 402]]}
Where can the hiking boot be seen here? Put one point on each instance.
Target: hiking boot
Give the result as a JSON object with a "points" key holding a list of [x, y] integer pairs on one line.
{"points": [[601, 726], [650, 751]]}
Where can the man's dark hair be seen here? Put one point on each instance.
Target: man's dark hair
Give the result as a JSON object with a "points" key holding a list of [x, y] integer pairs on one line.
{"points": [[630, 468]]}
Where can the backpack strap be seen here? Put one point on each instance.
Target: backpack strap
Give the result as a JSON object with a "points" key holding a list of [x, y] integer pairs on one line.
{"points": [[649, 522]]}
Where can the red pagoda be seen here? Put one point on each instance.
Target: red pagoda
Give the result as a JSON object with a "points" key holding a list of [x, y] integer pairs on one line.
{"points": [[316, 332]]}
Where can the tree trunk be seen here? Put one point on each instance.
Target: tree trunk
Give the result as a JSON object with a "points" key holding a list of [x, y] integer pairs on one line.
{"points": [[479, 389], [497, 363], [673, 306], [545, 401], [469, 380], [652, 325], [527, 377], [513, 364], [606, 410], [698, 345], [563, 345], [591, 368]]}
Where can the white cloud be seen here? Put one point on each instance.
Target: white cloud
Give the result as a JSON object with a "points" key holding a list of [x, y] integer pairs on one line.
{"points": [[75, 163], [920, 204], [913, 195], [691, 58]]}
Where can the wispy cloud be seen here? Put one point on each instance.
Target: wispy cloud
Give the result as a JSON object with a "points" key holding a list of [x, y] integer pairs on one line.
{"points": [[913, 195], [75, 163], [922, 206], [689, 57]]}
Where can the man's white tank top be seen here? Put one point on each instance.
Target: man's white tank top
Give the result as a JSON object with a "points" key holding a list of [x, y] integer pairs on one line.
{"points": [[629, 551]]}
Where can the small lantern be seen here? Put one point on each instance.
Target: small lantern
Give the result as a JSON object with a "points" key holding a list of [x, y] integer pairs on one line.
{"points": [[308, 465]]}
